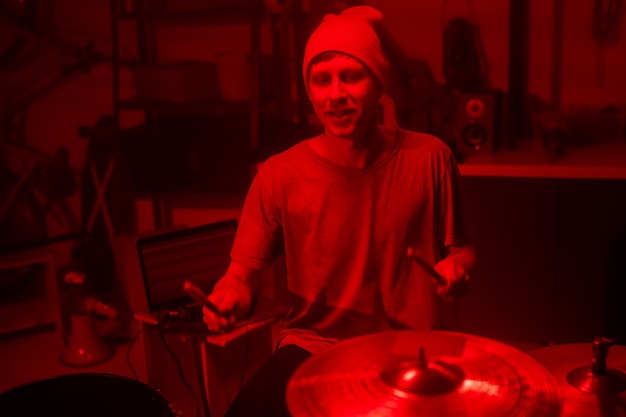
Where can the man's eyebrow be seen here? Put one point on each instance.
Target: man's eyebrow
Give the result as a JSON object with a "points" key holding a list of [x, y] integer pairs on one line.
{"points": [[319, 74]]}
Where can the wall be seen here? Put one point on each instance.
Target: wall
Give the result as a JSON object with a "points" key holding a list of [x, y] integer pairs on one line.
{"points": [[418, 27], [550, 259], [54, 117]]}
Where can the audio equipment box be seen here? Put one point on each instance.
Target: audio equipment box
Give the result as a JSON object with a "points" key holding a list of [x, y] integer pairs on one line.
{"points": [[477, 121]]}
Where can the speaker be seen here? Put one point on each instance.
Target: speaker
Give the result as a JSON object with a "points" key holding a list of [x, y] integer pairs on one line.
{"points": [[85, 346], [477, 118]]}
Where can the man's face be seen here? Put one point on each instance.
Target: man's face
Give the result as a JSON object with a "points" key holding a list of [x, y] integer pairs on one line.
{"points": [[344, 95]]}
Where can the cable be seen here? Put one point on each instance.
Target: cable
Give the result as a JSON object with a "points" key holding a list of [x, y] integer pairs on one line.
{"points": [[130, 347], [470, 10], [180, 371], [465, 63], [246, 354], [607, 16]]}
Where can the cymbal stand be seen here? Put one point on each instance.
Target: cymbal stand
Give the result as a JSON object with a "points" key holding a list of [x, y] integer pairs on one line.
{"points": [[597, 378]]}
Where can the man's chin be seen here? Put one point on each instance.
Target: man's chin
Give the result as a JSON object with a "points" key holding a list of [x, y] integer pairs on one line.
{"points": [[341, 133]]}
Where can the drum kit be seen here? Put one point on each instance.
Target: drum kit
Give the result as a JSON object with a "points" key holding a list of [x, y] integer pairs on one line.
{"points": [[444, 373]]}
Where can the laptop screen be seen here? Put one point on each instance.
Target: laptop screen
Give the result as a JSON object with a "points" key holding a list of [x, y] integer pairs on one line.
{"points": [[200, 254]]}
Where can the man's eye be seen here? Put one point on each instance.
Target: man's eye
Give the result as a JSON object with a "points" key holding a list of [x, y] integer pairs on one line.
{"points": [[321, 80], [353, 76]]}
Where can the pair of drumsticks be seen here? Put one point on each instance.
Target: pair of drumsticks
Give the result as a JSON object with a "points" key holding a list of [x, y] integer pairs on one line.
{"points": [[198, 295]]}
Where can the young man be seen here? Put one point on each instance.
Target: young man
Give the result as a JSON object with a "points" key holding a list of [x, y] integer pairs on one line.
{"points": [[344, 207]]}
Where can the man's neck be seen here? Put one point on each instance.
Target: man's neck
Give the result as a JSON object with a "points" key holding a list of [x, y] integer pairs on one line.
{"points": [[355, 152]]}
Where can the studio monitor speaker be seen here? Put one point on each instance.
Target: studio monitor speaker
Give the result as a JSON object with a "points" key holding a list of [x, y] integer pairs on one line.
{"points": [[477, 121]]}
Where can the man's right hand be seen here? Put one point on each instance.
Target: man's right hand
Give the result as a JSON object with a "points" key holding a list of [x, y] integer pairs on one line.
{"points": [[226, 301]]}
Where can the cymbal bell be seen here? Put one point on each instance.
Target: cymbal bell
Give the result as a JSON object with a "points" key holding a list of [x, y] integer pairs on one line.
{"points": [[435, 373], [586, 393], [422, 377]]}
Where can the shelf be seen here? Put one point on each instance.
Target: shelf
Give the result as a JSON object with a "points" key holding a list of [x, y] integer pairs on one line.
{"points": [[216, 107], [599, 161], [219, 14], [180, 12]]}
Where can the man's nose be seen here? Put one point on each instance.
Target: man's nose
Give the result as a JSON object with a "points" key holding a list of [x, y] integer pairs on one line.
{"points": [[337, 90]]}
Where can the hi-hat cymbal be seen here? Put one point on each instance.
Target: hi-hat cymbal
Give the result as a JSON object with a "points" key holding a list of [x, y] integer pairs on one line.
{"points": [[585, 394], [436, 373]]}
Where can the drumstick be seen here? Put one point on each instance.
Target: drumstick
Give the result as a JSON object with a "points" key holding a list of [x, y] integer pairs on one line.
{"points": [[198, 295], [421, 262], [440, 281]]}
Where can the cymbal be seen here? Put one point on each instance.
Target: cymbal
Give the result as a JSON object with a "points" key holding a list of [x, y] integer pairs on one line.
{"points": [[436, 373], [583, 393]]}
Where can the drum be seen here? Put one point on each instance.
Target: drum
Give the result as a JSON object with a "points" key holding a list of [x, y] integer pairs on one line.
{"points": [[84, 394]]}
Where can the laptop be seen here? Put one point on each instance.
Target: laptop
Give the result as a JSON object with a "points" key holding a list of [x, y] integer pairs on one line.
{"points": [[199, 254]]}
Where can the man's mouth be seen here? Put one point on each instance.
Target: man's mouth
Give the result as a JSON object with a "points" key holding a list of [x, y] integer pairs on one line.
{"points": [[340, 113]]}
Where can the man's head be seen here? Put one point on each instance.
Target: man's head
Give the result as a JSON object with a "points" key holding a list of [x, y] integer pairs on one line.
{"points": [[354, 32], [345, 71]]}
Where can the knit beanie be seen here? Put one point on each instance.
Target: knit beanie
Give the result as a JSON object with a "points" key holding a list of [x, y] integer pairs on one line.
{"points": [[353, 32]]}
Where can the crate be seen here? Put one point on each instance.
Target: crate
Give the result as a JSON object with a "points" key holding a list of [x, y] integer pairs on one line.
{"points": [[30, 295]]}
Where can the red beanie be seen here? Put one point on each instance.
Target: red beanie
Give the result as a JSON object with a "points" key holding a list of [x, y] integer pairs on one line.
{"points": [[354, 32]]}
